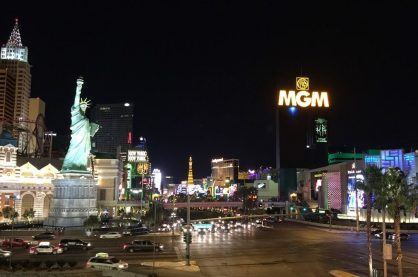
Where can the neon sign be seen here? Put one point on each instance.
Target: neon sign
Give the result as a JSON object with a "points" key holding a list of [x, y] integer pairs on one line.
{"points": [[302, 97]]}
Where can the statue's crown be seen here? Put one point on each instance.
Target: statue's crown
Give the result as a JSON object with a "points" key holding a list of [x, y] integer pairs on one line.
{"points": [[85, 101]]}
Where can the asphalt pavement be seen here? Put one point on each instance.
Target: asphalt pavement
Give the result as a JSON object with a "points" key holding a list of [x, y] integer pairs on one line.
{"points": [[287, 249]]}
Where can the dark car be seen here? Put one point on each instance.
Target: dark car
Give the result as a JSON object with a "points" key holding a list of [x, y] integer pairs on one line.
{"points": [[136, 231], [389, 235], [68, 244], [142, 245], [45, 235], [15, 243]]}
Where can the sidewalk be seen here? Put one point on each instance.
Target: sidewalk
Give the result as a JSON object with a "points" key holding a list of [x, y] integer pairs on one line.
{"points": [[340, 273], [179, 266], [341, 227]]}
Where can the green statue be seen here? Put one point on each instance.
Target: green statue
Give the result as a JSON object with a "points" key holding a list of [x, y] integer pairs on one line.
{"points": [[81, 130]]}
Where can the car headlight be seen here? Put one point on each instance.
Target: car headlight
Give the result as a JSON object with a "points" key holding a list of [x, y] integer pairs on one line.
{"points": [[6, 254], [89, 244], [121, 266]]}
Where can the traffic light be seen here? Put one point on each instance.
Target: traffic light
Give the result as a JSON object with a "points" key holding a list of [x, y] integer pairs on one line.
{"points": [[187, 237]]}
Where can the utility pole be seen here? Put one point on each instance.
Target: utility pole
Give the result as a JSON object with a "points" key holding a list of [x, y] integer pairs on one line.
{"points": [[155, 229], [13, 197], [355, 186], [142, 193], [188, 228]]}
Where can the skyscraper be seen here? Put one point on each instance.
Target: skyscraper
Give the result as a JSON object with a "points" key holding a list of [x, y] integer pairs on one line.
{"points": [[116, 122], [7, 98], [14, 58]]}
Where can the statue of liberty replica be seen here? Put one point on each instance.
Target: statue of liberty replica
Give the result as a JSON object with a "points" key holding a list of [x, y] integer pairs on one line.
{"points": [[75, 191]]}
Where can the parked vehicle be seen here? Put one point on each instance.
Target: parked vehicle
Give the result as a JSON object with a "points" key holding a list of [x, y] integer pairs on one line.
{"points": [[111, 235], [68, 244], [45, 247], [44, 235], [15, 243], [5, 254], [104, 261], [142, 245]]}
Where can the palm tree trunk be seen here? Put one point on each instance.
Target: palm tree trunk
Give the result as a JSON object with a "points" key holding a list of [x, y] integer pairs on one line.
{"points": [[369, 241], [385, 265], [397, 222]]}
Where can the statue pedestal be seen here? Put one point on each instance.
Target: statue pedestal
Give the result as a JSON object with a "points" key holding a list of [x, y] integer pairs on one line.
{"points": [[75, 195]]}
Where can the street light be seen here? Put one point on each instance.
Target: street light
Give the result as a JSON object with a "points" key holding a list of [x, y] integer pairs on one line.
{"points": [[12, 197]]}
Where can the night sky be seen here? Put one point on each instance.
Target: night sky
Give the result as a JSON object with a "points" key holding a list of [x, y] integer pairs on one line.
{"points": [[203, 74]]}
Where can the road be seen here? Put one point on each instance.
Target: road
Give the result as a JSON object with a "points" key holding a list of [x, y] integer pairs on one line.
{"points": [[288, 249]]}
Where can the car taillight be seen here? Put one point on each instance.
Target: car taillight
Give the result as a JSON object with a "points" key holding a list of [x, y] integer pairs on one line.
{"points": [[124, 246]]}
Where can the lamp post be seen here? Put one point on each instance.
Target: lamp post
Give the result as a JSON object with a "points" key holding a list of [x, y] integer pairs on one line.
{"points": [[12, 197], [188, 228], [355, 186]]}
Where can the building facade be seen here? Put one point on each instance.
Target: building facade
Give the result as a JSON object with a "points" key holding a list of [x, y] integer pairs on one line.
{"points": [[116, 121], [25, 183], [7, 97], [14, 58], [224, 172], [108, 173]]}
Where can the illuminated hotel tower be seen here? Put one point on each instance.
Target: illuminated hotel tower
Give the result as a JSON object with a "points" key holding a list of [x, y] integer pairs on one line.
{"points": [[190, 175], [14, 58]]}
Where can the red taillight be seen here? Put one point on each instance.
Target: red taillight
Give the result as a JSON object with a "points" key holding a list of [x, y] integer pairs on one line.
{"points": [[124, 246]]}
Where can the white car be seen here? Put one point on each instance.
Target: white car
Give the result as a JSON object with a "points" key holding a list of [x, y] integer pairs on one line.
{"points": [[45, 247], [111, 235], [103, 261]]}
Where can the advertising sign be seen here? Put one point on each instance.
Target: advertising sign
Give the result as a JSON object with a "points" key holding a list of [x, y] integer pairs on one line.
{"points": [[321, 130], [302, 97]]}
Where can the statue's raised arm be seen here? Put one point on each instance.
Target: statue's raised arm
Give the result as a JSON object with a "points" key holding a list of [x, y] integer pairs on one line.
{"points": [[80, 83], [82, 130]]}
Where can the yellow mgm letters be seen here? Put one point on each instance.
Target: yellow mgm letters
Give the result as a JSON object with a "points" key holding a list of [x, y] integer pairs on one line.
{"points": [[303, 99]]}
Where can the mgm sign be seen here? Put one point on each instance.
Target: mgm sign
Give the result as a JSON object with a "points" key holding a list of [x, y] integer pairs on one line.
{"points": [[302, 97]]}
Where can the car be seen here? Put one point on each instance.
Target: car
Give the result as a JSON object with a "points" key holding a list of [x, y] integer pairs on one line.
{"points": [[111, 235], [15, 243], [389, 235], [68, 244], [5, 254], [104, 261], [44, 235], [164, 228], [142, 245], [135, 231], [45, 247]]}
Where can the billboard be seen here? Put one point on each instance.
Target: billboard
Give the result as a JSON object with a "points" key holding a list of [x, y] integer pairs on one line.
{"points": [[302, 97], [321, 130]]}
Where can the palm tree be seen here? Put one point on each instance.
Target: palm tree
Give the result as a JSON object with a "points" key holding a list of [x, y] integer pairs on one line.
{"points": [[381, 202], [372, 180], [29, 215], [9, 213], [400, 197]]}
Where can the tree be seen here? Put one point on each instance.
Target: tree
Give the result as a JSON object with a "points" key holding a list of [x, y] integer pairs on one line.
{"points": [[248, 197], [9, 213], [380, 203], [372, 180], [29, 215], [92, 222], [400, 197]]}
